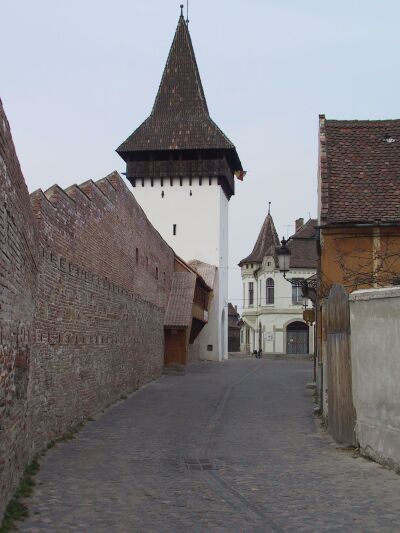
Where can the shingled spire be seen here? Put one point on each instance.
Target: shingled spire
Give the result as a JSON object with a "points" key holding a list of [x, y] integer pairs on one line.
{"points": [[180, 119], [266, 244]]}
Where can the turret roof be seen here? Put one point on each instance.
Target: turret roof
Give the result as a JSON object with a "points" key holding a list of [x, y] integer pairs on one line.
{"points": [[180, 119], [266, 244]]}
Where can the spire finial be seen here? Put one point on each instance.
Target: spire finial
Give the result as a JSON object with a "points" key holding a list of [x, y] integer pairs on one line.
{"points": [[181, 10], [269, 208]]}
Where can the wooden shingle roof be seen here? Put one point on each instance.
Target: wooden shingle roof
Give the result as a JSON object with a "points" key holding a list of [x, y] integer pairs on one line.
{"points": [[180, 119], [359, 171], [266, 244]]}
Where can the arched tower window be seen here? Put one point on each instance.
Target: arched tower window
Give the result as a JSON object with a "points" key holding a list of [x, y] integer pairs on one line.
{"points": [[269, 291]]}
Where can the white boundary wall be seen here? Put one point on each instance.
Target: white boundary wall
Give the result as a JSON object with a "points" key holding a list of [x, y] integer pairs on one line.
{"points": [[375, 358]]}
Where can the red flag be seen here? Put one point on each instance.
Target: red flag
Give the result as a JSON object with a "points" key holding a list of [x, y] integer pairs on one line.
{"points": [[240, 174]]}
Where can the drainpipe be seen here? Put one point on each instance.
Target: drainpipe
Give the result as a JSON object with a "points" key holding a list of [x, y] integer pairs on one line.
{"points": [[258, 322]]}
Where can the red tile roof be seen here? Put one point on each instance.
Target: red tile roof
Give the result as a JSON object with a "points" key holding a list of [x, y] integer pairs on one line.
{"points": [[359, 171]]}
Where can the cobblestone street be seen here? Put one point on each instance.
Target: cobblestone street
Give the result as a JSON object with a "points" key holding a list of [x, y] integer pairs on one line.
{"points": [[227, 447]]}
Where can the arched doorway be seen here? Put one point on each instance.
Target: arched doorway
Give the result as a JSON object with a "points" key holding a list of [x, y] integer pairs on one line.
{"points": [[297, 338]]}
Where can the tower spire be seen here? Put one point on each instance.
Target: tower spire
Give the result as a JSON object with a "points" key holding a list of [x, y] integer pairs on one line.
{"points": [[181, 6]]}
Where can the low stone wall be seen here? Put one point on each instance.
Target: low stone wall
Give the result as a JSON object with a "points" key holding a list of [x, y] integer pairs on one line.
{"points": [[375, 357]]}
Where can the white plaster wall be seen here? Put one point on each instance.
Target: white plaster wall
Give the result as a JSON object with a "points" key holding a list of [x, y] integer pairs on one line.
{"points": [[197, 217], [201, 220], [375, 359]]}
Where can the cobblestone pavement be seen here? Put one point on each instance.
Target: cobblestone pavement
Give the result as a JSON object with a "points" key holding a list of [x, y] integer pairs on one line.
{"points": [[227, 447]]}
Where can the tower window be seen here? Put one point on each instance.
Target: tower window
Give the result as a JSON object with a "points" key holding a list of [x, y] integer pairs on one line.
{"points": [[200, 181], [210, 180], [142, 182], [152, 182], [190, 181], [181, 181], [174, 229], [162, 194], [137, 256], [171, 181], [162, 182]]}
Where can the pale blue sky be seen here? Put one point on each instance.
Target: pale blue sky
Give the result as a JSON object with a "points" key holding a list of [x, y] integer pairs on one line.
{"points": [[77, 77]]}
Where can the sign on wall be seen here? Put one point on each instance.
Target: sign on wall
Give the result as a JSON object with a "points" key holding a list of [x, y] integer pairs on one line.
{"points": [[268, 336]]}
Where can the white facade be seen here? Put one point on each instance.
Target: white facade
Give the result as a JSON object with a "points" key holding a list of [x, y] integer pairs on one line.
{"points": [[268, 316], [192, 216]]}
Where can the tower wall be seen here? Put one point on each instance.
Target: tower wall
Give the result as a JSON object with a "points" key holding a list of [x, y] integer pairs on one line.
{"points": [[201, 220]]}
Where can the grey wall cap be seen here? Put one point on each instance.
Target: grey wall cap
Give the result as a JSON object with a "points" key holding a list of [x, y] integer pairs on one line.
{"points": [[363, 295]]}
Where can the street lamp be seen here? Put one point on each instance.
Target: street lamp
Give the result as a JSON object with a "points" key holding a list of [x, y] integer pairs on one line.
{"points": [[284, 257]]}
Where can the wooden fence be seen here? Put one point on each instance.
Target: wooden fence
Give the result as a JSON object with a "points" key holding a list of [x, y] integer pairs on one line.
{"points": [[341, 413]]}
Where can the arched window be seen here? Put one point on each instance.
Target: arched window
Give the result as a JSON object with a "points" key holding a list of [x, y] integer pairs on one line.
{"points": [[269, 291]]}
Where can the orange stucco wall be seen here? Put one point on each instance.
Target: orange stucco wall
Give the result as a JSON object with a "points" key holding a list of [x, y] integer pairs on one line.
{"points": [[360, 257]]}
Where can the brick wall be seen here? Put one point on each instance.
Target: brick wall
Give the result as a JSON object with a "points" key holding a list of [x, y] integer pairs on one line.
{"points": [[84, 284], [18, 280], [104, 282]]}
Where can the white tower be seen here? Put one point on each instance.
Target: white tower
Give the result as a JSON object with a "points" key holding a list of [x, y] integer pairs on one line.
{"points": [[182, 167]]}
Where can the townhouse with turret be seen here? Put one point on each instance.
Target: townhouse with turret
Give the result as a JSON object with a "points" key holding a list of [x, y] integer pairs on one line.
{"points": [[272, 303]]}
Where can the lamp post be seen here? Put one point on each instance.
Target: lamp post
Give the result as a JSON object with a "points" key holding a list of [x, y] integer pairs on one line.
{"points": [[308, 289], [284, 257]]}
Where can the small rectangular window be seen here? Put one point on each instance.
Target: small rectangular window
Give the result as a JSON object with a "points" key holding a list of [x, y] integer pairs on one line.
{"points": [[210, 180], [152, 182], [190, 181], [200, 181], [171, 181], [297, 292], [251, 293], [209, 347], [181, 181], [174, 229], [157, 272], [137, 256]]}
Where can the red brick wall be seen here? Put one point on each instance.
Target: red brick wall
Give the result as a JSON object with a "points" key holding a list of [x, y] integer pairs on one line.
{"points": [[18, 280], [99, 323], [84, 284]]}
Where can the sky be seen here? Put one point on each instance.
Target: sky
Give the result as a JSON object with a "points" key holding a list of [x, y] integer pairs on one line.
{"points": [[78, 77]]}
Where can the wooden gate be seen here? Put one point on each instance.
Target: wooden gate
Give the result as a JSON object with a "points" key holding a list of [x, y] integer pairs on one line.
{"points": [[341, 413]]}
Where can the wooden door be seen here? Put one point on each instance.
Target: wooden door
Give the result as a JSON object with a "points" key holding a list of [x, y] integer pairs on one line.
{"points": [[175, 346], [297, 338]]}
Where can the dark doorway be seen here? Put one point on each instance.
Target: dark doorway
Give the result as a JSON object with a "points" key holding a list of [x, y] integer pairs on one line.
{"points": [[297, 338]]}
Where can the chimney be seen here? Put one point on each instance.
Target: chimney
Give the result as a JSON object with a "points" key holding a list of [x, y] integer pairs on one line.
{"points": [[299, 222]]}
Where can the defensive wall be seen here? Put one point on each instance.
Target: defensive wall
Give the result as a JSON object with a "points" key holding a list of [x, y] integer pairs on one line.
{"points": [[18, 283], [85, 283]]}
